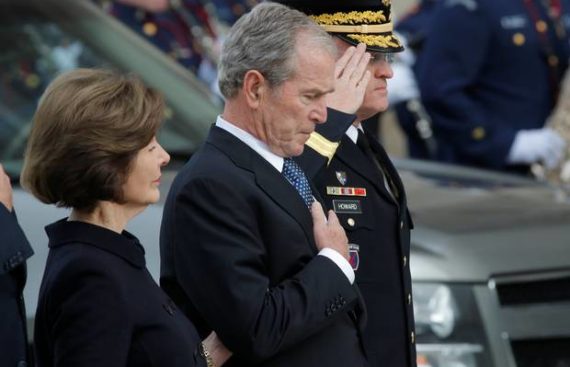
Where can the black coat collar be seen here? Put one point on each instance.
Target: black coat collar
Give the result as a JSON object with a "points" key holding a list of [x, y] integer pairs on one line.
{"points": [[124, 245]]}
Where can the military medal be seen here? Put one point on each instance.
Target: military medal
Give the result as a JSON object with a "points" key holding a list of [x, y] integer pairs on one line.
{"points": [[346, 191]]}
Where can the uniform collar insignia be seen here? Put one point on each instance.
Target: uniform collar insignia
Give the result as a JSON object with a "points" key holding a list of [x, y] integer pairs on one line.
{"points": [[341, 177]]}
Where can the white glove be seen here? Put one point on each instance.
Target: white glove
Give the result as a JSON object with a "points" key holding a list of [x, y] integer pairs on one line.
{"points": [[540, 145]]}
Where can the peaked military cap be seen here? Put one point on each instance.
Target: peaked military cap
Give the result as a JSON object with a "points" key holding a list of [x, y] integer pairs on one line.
{"points": [[354, 21]]}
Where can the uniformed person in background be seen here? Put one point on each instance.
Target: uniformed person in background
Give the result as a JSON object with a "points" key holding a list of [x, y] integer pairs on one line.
{"points": [[489, 77], [358, 181], [14, 250], [189, 31], [412, 29]]}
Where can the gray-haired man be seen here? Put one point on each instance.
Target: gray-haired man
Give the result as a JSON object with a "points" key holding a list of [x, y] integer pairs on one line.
{"points": [[246, 248]]}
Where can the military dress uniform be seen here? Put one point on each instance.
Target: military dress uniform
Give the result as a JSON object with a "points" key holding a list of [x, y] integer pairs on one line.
{"points": [[187, 30], [167, 30], [357, 180], [365, 191], [490, 69]]}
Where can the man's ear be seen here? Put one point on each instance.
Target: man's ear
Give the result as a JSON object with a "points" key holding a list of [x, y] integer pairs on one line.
{"points": [[254, 86]]}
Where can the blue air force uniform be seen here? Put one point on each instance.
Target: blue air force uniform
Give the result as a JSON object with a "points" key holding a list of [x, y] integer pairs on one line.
{"points": [[490, 69], [178, 32]]}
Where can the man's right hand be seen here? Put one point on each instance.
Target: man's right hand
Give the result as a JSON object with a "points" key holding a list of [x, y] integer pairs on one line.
{"points": [[5, 189], [351, 79], [328, 232]]}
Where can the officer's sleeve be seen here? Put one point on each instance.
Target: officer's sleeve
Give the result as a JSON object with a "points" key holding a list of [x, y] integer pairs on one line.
{"points": [[455, 51], [14, 247], [324, 141]]}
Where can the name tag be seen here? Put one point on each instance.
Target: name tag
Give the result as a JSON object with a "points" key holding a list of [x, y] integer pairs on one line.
{"points": [[347, 206]]}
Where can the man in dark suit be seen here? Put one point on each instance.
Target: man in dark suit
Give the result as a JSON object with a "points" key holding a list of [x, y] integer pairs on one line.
{"points": [[246, 250], [359, 182], [14, 250]]}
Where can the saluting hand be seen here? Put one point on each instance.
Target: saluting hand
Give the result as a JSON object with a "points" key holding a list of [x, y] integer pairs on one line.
{"points": [[351, 79], [5, 189], [328, 232]]}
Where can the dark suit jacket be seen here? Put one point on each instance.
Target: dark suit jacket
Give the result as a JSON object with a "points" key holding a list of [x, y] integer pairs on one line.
{"points": [[99, 306], [238, 255], [380, 226], [14, 250]]}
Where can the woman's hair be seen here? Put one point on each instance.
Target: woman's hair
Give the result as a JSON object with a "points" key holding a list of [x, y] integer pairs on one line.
{"points": [[87, 130]]}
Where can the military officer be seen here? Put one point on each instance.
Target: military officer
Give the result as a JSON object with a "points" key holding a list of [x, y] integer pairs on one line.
{"points": [[358, 181], [186, 30], [489, 76]]}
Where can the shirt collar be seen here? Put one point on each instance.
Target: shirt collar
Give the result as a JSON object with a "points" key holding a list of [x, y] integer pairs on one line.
{"points": [[352, 132], [251, 141]]}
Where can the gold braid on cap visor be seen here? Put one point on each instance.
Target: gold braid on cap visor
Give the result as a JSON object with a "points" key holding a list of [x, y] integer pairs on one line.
{"points": [[376, 40], [353, 17]]}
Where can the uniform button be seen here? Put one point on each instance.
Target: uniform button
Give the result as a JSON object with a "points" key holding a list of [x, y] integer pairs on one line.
{"points": [[405, 260], [541, 26], [553, 60], [519, 39], [150, 29], [478, 133], [350, 222], [401, 224], [409, 298], [413, 337]]}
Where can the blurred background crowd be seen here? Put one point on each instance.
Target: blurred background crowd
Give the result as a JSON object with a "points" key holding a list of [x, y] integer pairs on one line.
{"points": [[481, 82]]}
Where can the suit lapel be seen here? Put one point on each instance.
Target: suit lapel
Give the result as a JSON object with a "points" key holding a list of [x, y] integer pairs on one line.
{"points": [[351, 155], [391, 171], [267, 178]]}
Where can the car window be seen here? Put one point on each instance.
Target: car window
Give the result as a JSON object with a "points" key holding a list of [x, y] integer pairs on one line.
{"points": [[35, 49]]}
